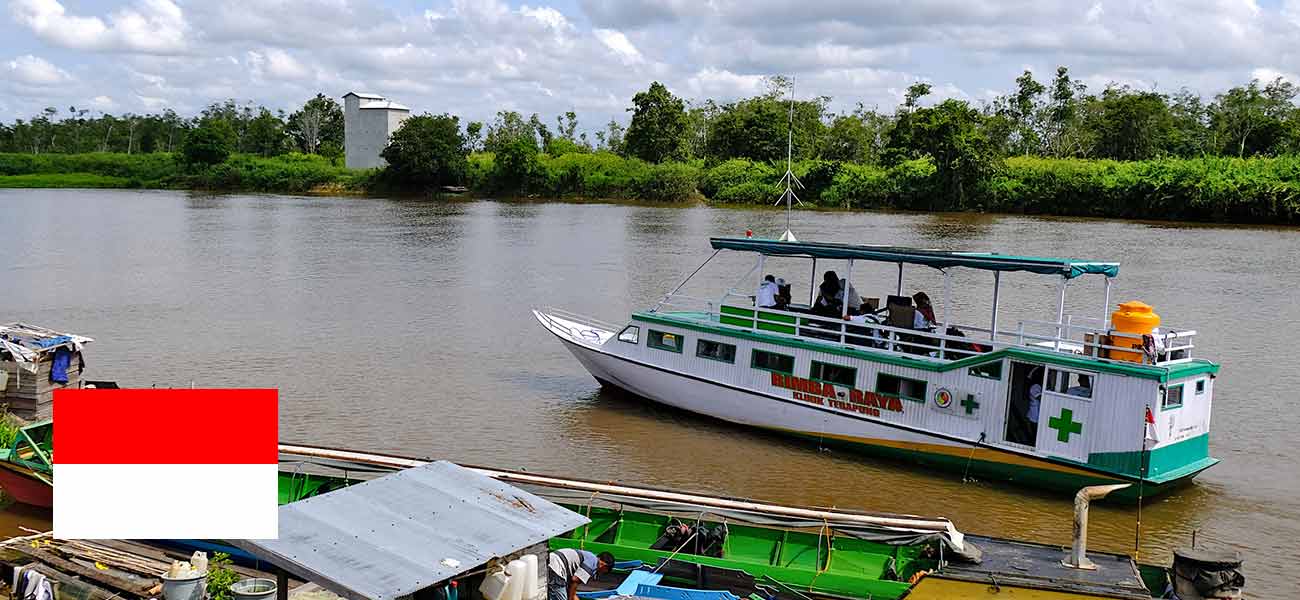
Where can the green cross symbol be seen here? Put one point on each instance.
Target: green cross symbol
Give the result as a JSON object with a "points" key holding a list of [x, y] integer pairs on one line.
{"points": [[970, 404], [1065, 425]]}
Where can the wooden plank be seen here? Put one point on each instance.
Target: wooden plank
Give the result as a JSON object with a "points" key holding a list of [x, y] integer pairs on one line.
{"points": [[92, 574]]}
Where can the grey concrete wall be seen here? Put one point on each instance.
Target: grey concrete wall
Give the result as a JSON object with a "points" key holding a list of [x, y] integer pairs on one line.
{"points": [[366, 132]]}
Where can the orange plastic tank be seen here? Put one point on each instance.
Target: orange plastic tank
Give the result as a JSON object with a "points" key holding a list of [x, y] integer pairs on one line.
{"points": [[1134, 318]]}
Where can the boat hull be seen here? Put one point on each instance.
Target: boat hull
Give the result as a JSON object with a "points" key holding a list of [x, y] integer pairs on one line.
{"points": [[24, 486], [744, 407]]}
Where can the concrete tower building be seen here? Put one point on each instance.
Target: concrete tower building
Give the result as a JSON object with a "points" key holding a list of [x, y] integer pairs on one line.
{"points": [[368, 121]]}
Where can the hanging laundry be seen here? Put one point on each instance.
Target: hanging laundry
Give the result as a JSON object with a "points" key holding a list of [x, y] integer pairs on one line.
{"points": [[59, 368], [32, 585]]}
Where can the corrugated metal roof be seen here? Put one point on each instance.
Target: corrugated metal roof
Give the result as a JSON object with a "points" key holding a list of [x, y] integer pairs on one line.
{"points": [[383, 105], [392, 536]]}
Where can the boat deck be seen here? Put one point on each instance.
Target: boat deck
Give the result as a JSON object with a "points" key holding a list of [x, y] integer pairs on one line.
{"points": [[1024, 564]]}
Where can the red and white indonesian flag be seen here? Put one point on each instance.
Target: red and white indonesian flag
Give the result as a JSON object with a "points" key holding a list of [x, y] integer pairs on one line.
{"points": [[1149, 437], [159, 464]]}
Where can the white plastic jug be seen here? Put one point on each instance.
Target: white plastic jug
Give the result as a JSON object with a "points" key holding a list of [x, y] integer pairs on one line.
{"points": [[200, 562], [517, 571], [494, 586], [531, 591]]}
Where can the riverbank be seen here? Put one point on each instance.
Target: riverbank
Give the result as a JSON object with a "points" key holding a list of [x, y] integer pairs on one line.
{"points": [[1211, 189]]}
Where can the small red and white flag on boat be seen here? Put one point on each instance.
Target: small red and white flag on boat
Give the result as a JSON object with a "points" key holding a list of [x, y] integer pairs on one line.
{"points": [[1149, 438], [165, 464]]}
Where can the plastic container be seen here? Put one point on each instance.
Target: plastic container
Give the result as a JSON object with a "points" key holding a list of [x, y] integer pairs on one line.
{"points": [[531, 591], [253, 589], [1135, 319], [193, 587], [517, 571], [493, 586], [199, 561]]}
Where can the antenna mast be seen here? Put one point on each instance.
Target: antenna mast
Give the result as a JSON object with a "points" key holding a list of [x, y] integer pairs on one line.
{"points": [[790, 181]]}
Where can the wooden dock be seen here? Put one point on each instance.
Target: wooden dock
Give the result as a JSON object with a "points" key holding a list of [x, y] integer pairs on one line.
{"points": [[105, 569]]}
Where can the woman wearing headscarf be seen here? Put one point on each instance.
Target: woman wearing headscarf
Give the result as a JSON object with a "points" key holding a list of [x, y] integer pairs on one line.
{"points": [[924, 318], [827, 304]]}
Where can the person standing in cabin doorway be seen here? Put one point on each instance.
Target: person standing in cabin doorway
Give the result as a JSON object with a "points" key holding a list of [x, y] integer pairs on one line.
{"points": [[1035, 399], [569, 567]]}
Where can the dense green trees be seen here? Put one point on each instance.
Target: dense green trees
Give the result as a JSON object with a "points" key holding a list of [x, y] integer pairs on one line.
{"points": [[208, 144], [658, 128], [318, 122], [427, 151]]}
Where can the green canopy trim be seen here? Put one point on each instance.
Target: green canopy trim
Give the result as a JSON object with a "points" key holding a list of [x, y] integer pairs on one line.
{"points": [[939, 259]]}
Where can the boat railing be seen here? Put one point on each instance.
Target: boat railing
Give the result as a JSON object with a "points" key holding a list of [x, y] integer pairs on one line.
{"points": [[876, 335], [1091, 337], [958, 341], [553, 315]]}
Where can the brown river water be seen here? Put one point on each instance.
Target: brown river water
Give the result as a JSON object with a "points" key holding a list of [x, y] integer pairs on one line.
{"points": [[404, 326]]}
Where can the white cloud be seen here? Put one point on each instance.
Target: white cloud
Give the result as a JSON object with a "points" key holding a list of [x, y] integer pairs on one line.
{"points": [[150, 26], [103, 103], [35, 71], [474, 57], [1267, 75], [618, 42]]}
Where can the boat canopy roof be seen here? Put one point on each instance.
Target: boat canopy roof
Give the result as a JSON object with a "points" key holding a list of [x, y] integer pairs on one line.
{"points": [[939, 259]]}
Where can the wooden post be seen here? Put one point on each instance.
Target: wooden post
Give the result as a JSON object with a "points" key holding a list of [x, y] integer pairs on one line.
{"points": [[900, 280], [281, 584]]}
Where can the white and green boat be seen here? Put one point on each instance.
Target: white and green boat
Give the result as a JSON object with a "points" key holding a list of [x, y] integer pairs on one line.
{"points": [[1059, 403]]}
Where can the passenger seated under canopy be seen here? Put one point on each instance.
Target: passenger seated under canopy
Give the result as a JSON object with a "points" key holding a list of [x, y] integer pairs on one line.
{"points": [[924, 318]]}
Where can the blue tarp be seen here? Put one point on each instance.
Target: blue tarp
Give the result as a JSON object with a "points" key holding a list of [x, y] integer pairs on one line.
{"points": [[939, 259]]}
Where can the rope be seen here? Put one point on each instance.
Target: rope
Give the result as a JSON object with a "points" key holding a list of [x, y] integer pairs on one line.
{"points": [[825, 529], [586, 529], [688, 278], [679, 549], [965, 476]]}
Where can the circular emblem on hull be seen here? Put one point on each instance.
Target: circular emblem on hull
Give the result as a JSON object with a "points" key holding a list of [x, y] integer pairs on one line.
{"points": [[943, 398]]}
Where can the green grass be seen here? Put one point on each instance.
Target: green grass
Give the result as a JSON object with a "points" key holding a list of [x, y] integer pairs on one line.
{"points": [[63, 180]]}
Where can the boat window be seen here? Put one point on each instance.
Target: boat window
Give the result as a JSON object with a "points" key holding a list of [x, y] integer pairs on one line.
{"points": [[991, 370], [833, 373], [715, 351], [1173, 397], [901, 387], [1069, 382], [664, 341], [771, 361], [630, 334], [1200, 386]]}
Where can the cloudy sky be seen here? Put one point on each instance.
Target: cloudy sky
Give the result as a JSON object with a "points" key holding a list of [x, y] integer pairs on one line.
{"points": [[474, 57]]}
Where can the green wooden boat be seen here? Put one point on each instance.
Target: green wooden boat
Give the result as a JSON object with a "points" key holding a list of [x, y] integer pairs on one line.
{"points": [[774, 550]]}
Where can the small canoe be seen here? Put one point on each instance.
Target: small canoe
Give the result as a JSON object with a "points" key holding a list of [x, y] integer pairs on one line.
{"points": [[26, 471]]}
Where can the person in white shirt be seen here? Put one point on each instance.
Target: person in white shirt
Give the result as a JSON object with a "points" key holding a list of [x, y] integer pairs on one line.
{"points": [[767, 291]]}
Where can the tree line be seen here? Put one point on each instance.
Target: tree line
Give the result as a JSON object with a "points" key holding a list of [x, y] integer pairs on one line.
{"points": [[954, 153], [966, 143], [316, 128]]}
